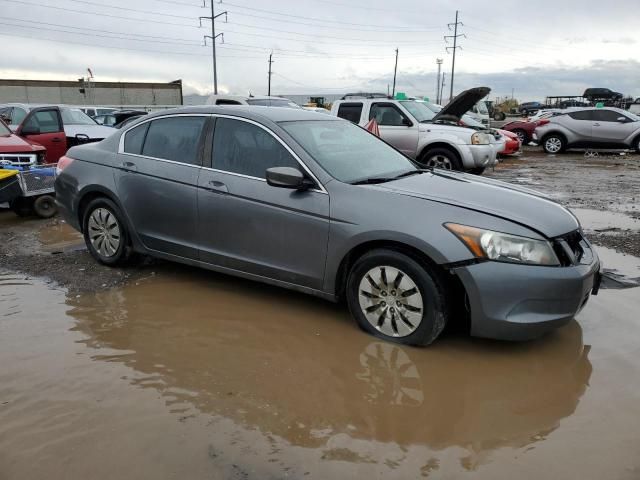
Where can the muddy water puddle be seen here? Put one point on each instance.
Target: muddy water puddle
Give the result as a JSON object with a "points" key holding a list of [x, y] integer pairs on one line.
{"points": [[60, 237], [602, 221], [196, 375]]}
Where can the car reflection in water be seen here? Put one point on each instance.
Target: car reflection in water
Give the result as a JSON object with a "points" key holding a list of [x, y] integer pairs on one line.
{"points": [[293, 366]]}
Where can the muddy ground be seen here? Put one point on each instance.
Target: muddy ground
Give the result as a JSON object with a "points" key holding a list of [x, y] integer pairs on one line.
{"points": [[164, 371]]}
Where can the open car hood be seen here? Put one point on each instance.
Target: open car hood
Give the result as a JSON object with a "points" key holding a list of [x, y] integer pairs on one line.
{"points": [[461, 104]]}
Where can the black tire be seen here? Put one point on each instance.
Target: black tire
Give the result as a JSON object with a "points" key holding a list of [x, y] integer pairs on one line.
{"points": [[522, 135], [22, 206], [430, 158], [45, 206], [478, 171], [499, 116], [430, 287], [102, 207], [554, 143], [636, 144]]}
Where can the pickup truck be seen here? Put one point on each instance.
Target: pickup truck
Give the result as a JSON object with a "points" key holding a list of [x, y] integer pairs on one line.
{"points": [[433, 140]]}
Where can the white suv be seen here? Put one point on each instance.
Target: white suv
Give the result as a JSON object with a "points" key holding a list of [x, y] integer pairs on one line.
{"points": [[433, 140]]}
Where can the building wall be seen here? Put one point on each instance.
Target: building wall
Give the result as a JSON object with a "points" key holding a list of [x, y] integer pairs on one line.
{"points": [[96, 93]]}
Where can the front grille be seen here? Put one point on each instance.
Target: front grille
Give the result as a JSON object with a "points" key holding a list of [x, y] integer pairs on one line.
{"points": [[18, 159], [569, 248]]}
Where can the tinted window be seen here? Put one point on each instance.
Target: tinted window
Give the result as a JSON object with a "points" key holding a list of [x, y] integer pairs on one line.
{"points": [[17, 115], [227, 102], [134, 138], [582, 115], [386, 114], [607, 116], [350, 111], [46, 121], [346, 151], [174, 138], [241, 147]]}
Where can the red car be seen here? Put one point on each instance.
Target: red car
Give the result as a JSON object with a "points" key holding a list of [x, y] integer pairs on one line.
{"points": [[512, 144], [524, 129], [17, 151]]}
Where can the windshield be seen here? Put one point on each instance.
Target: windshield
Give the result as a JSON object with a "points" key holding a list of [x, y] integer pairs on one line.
{"points": [[75, 117], [272, 102], [346, 151], [4, 130], [482, 108], [418, 109], [632, 116]]}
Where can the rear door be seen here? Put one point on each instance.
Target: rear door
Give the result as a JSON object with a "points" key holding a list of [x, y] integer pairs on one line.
{"points": [[580, 123], [395, 127], [609, 129], [157, 175], [44, 126], [250, 226]]}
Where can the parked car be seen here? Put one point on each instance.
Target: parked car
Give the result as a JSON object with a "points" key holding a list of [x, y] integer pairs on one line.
{"points": [[116, 117], [18, 152], [480, 112], [57, 128], [264, 101], [127, 121], [96, 111], [523, 129], [12, 115], [590, 128], [314, 203], [601, 94], [527, 108], [433, 140]]}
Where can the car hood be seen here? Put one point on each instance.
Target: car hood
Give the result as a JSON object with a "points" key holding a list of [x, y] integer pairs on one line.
{"points": [[517, 204], [15, 144], [461, 104], [92, 131]]}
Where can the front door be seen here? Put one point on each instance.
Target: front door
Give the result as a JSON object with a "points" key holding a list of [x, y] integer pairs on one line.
{"points": [[249, 226], [44, 127], [395, 127], [611, 127], [156, 176]]}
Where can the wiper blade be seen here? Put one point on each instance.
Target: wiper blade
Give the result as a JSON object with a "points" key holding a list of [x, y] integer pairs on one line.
{"points": [[372, 180], [412, 172]]}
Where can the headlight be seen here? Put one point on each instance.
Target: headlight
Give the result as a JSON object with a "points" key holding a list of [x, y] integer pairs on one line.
{"points": [[503, 247], [479, 139]]}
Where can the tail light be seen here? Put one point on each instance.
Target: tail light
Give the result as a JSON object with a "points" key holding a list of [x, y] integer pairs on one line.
{"points": [[544, 121], [63, 163]]}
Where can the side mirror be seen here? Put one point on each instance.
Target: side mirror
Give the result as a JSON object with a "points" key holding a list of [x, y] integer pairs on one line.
{"points": [[287, 177], [406, 122], [622, 119], [30, 130]]}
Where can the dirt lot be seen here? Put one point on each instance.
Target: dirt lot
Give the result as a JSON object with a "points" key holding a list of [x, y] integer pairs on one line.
{"points": [[164, 371]]}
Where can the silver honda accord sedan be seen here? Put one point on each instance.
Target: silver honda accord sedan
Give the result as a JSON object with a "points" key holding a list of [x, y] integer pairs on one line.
{"points": [[319, 205]]}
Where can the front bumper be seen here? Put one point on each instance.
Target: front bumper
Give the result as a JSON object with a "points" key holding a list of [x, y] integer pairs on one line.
{"points": [[520, 302], [478, 156]]}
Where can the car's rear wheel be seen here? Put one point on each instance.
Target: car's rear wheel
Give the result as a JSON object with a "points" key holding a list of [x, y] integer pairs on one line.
{"points": [[394, 297], [554, 143], [22, 206], [105, 232], [522, 136], [440, 158]]}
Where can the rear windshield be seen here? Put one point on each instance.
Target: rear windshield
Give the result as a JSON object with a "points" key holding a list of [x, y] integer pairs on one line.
{"points": [[272, 102]]}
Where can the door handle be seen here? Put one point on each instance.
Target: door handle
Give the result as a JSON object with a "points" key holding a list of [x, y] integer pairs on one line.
{"points": [[216, 186], [56, 140], [129, 166], [596, 124]]}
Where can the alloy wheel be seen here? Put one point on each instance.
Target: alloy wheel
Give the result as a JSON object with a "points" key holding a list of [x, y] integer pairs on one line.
{"points": [[553, 144], [104, 232], [439, 161], [521, 136], [391, 301]]}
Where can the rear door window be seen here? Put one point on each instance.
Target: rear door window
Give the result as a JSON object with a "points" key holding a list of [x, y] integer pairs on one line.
{"points": [[350, 111], [582, 115], [244, 148], [174, 138]]}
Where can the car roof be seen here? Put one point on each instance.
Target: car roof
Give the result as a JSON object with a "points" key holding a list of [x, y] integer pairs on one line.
{"points": [[259, 113]]}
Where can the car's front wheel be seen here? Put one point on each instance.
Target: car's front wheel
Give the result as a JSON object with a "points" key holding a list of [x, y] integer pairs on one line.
{"points": [[554, 143], [440, 158], [105, 232], [394, 297]]}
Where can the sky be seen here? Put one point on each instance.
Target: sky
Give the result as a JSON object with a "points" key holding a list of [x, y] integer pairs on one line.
{"points": [[528, 49]]}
